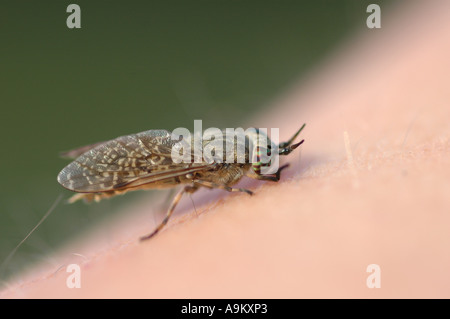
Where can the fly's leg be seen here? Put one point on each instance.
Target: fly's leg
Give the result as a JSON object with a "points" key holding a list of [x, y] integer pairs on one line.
{"points": [[221, 186], [191, 189], [273, 178], [177, 198]]}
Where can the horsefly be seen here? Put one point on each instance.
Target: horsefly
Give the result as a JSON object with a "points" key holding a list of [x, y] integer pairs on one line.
{"points": [[146, 161]]}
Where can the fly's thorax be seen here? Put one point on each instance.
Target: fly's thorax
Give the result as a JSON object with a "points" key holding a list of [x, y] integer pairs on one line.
{"points": [[224, 173], [229, 146], [238, 146], [226, 146]]}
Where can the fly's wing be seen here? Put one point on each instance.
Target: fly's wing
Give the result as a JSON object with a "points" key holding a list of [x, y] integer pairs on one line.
{"points": [[126, 161], [75, 153]]}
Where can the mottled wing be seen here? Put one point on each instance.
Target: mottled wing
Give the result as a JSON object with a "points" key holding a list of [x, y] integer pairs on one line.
{"points": [[127, 161], [75, 153]]}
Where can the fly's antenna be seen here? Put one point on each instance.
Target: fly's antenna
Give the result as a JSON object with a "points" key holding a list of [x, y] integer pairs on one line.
{"points": [[286, 147], [291, 140]]}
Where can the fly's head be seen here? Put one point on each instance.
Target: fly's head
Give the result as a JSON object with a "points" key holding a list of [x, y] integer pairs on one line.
{"points": [[264, 149]]}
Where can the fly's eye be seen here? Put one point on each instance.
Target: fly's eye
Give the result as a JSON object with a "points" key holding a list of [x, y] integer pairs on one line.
{"points": [[257, 165], [260, 151]]}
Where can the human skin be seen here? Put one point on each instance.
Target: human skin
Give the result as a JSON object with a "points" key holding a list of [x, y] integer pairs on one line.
{"points": [[369, 185]]}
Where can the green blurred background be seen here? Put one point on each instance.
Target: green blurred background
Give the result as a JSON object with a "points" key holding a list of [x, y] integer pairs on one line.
{"points": [[134, 66]]}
